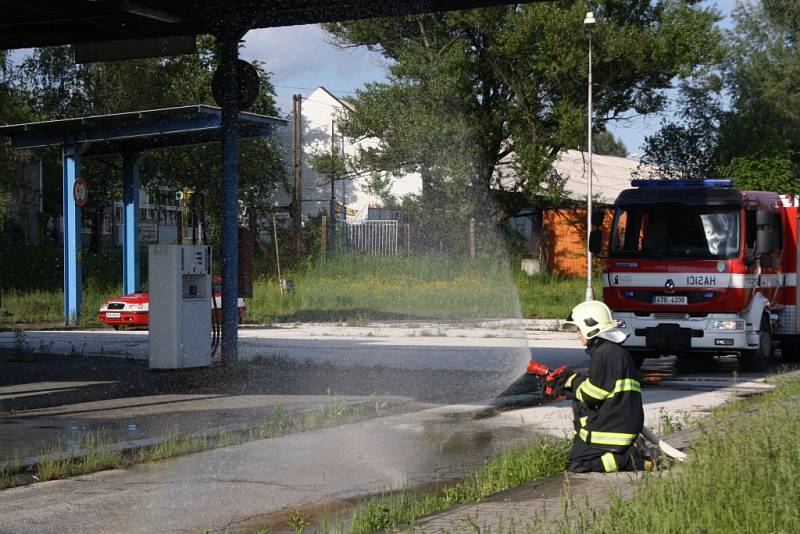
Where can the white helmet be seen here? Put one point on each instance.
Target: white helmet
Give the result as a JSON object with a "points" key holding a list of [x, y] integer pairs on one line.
{"points": [[593, 319]]}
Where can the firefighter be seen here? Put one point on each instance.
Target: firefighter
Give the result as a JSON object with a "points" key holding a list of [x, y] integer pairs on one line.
{"points": [[607, 403]]}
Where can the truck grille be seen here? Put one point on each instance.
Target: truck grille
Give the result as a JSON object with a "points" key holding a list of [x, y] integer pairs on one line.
{"points": [[667, 316], [670, 316]]}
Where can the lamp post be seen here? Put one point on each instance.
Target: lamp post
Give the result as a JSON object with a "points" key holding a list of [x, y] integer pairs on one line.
{"points": [[589, 22]]}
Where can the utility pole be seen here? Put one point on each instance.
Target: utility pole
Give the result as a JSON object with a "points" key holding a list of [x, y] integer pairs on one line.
{"points": [[472, 237], [332, 242], [589, 23], [297, 172]]}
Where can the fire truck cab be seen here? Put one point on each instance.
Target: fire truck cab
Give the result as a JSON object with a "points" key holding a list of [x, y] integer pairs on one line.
{"points": [[699, 268]]}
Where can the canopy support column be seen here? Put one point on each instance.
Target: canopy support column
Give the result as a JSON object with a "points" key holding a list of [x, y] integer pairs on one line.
{"points": [[130, 215], [229, 55], [72, 235]]}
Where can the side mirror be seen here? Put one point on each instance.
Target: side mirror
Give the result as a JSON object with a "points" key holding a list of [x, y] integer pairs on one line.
{"points": [[764, 218], [765, 241], [598, 216], [767, 238], [595, 241]]}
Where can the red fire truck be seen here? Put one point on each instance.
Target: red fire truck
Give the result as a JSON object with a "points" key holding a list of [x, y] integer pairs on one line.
{"points": [[700, 268]]}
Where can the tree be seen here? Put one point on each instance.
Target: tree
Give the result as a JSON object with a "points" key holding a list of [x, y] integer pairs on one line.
{"points": [[756, 140], [482, 101], [688, 147], [605, 144], [762, 130], [13, 110]]}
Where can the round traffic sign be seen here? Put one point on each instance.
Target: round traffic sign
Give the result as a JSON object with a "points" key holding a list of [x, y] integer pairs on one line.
{"points": [[80, 192]]}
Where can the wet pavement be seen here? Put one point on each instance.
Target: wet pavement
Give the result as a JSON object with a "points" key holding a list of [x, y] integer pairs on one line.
{"points": [[49, 402], [241, 488], [439, 430], [76, 382]]}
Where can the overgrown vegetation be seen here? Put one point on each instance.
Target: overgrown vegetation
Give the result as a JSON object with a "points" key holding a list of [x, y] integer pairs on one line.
{"points": [[357, 289]]}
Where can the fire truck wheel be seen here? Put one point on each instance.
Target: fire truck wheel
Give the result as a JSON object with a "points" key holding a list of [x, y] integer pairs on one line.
{"points": [[759, 359]]}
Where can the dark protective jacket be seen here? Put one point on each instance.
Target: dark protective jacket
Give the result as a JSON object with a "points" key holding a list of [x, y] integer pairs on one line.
{"points": [[608, 401]]}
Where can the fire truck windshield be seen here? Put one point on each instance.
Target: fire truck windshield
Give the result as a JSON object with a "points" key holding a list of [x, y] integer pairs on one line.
{"points": [[674, 231]]}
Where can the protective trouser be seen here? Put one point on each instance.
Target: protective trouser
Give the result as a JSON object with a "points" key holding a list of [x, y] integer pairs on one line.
{"points": [[585, 459]]}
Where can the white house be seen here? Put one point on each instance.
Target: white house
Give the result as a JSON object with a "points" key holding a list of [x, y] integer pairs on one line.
{"points": [[319, 112]]}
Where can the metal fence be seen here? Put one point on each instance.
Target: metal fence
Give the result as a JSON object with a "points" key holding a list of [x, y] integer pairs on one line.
{"points": [[368, 237]]}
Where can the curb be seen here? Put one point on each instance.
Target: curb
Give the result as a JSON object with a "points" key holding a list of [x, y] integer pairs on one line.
{"points": [[527, 324]]}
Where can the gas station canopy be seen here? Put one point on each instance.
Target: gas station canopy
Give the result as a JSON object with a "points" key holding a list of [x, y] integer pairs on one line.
{"points": [[137, 131], [55, 22], [130, 134]]}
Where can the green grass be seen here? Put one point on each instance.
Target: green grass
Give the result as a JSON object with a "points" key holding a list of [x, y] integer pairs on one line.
{"points": [[98, 456], [743, 475], [508, 470], [357, 289], [46, 308]]}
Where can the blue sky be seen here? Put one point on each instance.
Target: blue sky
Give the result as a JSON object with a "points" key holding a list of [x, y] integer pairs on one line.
{"points": [[301, 59]]}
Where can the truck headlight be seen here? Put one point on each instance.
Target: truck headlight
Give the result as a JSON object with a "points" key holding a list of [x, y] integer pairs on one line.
{"points": [[728, 325]]}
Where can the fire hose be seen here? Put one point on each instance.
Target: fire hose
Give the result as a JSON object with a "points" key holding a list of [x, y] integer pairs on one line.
{"points": [[549, 379]]}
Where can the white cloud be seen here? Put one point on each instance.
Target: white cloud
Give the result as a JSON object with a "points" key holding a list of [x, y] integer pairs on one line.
{"points": [[301, 57]]}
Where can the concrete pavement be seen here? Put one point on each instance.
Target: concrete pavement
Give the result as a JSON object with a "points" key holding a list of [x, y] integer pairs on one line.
{"points": [[239, 488]]}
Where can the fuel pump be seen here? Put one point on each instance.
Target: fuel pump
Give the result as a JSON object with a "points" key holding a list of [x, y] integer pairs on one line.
{"points": [[179, 279]]}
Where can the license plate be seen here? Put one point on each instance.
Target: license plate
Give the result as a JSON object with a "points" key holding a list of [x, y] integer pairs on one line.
{"points": [[670, 299], [112, 315]]}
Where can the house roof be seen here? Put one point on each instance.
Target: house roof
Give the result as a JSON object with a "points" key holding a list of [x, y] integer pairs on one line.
{"points": [[344, 103], [610, 174]]}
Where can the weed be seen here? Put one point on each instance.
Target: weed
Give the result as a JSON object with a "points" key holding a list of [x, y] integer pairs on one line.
{"points": [[668, 423], [94, 454], [430, 333], [298, 522], [509, 469], [20, 344], [9, 473]]}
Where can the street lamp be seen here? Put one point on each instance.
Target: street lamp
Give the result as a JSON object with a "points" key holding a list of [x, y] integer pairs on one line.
{"points": [[589, 22]]}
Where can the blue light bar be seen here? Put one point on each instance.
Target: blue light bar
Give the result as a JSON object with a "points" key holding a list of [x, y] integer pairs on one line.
{"points": [[711, 182]]}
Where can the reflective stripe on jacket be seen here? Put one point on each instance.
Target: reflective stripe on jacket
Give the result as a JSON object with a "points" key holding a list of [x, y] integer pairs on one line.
{"points": [[608, 399]]}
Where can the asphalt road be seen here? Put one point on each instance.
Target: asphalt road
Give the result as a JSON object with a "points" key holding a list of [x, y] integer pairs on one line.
{"points": [[418, 346]]}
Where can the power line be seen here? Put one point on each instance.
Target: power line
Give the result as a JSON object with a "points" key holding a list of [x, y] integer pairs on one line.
{"points": [[312, 88]]}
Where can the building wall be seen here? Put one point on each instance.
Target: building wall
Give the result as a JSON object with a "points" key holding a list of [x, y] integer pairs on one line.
{"points": [[319, 112], [564, 234]]}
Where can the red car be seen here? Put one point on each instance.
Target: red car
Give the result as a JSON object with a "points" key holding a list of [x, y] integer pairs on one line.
{"points": [[134, 309]]}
